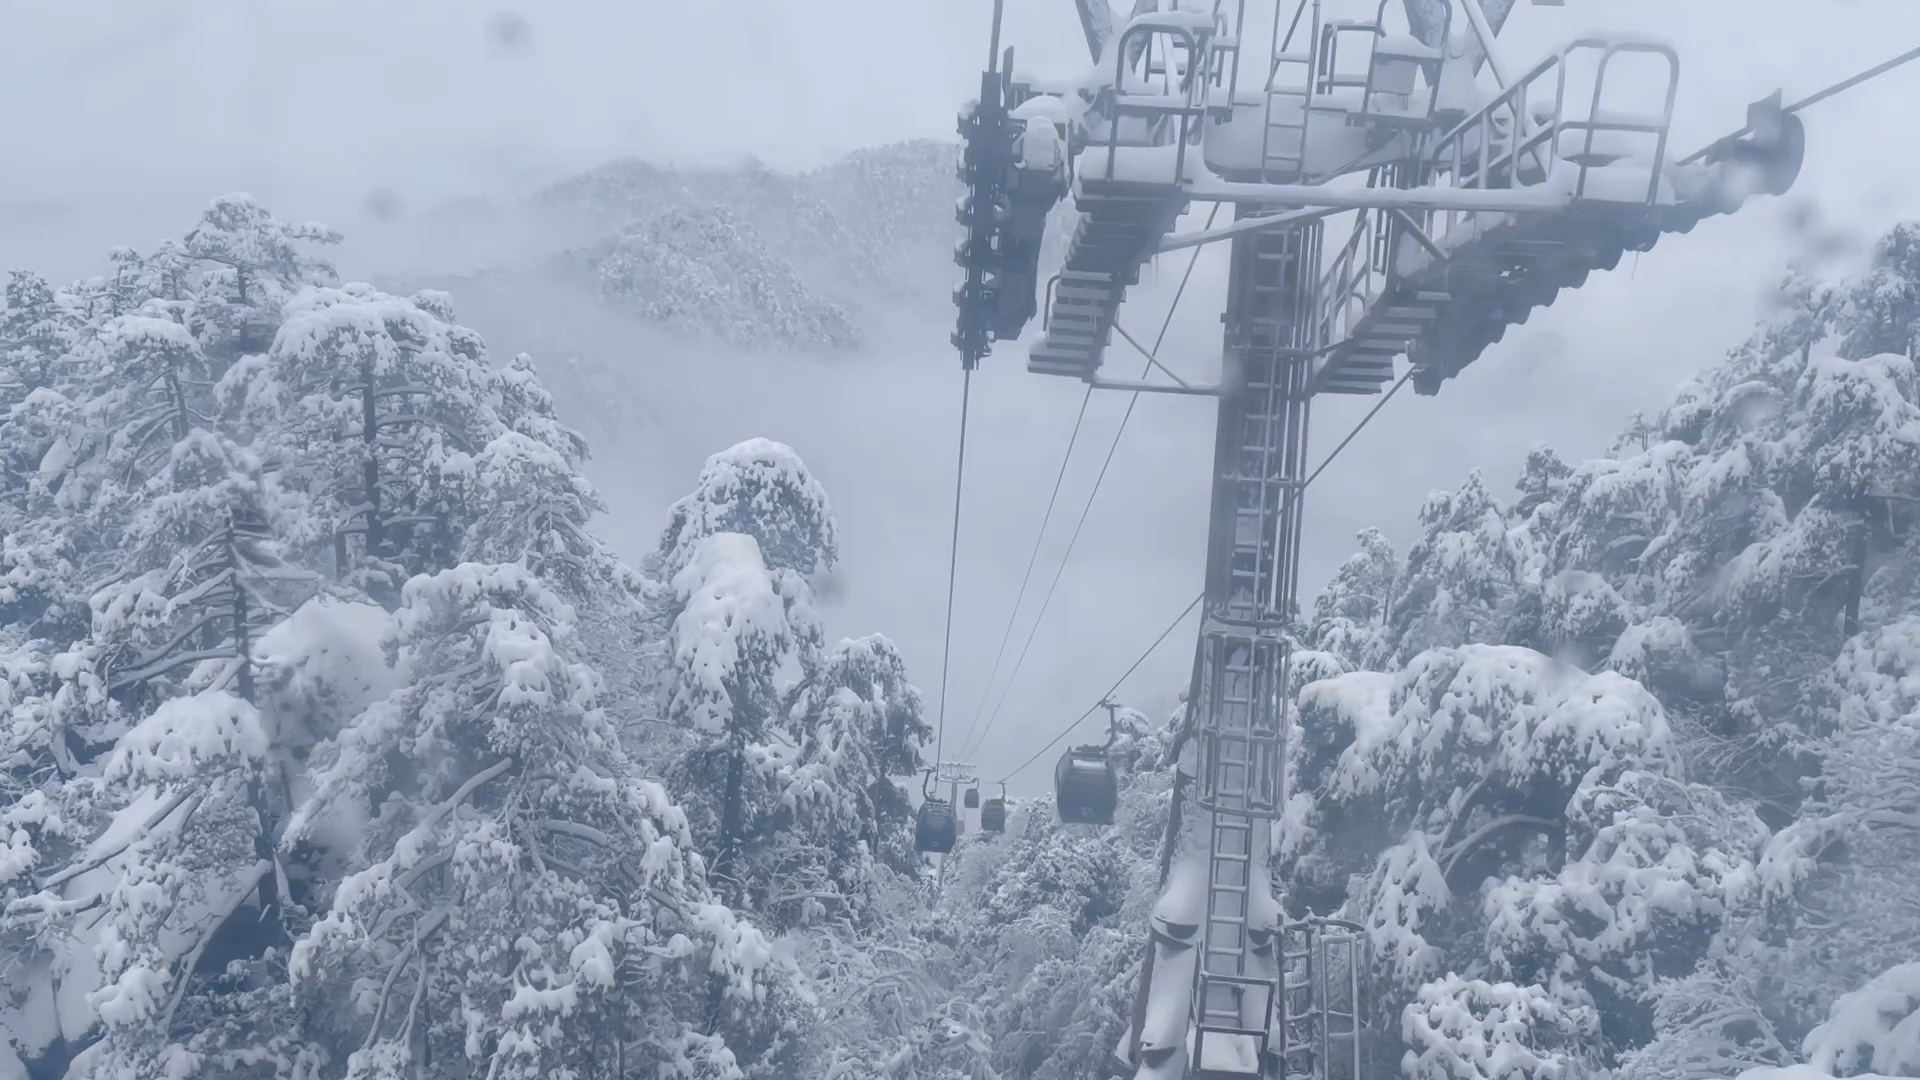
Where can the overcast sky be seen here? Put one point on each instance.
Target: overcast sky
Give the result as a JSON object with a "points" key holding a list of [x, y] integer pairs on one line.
{"points": [[117, 117]]}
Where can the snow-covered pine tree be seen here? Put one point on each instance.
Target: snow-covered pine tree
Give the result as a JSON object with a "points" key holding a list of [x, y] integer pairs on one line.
{"points": [[538, 458], [525, 406], [153, 858], [139, 770], [496, 730], [732, 637], [257, 262], [1819, 965], [520, 904], [860, 728], [1880, 313], [1744, 556], [371, 409], [40, 433], [1353, 614], [37, 332], [1461, 579], [763, 489], [1514, 817], [737, 553], [531, 504], [40, 553]]}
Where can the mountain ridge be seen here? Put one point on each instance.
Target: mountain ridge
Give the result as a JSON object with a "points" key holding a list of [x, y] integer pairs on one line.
{"points": [[824, 250]]}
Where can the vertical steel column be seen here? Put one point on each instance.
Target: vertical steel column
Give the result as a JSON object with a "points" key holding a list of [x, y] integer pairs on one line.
{"points": [[1237, 719]]}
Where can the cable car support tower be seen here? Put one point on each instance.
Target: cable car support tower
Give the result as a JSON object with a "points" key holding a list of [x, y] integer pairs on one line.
{"points": [[1471, 194]]}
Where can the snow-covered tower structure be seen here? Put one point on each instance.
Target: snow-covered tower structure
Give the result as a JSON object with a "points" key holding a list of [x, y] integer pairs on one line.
{"points": [[1399, 191]]}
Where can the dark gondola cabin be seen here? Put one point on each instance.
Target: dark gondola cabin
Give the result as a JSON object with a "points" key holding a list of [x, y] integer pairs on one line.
{"points": [[972, 800], [993, 816], [1085, 788], [935, 828]]}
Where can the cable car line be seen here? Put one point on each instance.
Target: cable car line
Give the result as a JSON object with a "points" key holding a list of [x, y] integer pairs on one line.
{"points": [[991, 184], [1816, 98], [1311, 477], [1103, 697], [1855, 80], [969, 743], [1371, 413], [986, 693], [953, 564], [1152, 360], [1060, 570]]}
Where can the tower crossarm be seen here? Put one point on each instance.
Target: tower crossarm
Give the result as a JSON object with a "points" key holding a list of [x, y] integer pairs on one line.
{"points": [[1478, 207]]}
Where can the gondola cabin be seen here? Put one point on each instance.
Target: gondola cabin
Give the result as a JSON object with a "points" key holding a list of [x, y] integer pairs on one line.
{"points": [[1085, 788], [972, 800], [935, 829], [993, 816]]}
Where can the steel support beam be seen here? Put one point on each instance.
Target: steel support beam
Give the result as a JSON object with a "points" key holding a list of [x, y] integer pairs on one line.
{"points": [[1096, 22], [1234, 729], [1495, 200], [1140, 386], [1176, 241], [1489, 48]]}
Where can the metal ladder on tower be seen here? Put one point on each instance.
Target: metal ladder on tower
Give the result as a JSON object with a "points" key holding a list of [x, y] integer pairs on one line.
{"points": [[1235, 997], [1240, 717], [1339, 951], [1283, 141], [1323, 1023], [1299, 1000], [1123, 215]]}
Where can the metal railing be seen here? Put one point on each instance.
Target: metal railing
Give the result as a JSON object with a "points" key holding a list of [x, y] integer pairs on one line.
{"points": [[1504, 146], [1350, 285], [1322, 76], [1373, 65], [1323, 1008], [1194, 84]]}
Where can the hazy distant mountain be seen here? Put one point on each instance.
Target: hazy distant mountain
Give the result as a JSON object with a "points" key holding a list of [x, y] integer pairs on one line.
{"points": [[757, 256], [816, 261], [707, 270], [874, 220]]}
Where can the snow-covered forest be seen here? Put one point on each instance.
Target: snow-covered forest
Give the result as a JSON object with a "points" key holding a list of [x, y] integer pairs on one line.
{"points": [[336, 743]]}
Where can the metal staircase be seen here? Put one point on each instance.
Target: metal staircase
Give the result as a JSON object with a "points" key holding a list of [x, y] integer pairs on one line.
{"points": [[1555, 176], [1442, 285], [1172, 73]]}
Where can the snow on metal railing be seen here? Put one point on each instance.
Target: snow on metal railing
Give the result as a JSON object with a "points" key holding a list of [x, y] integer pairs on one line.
{"points": [[1516, 139]]}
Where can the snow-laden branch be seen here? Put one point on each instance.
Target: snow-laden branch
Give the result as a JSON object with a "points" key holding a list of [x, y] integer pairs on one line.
{"points": [[1451, 857]]}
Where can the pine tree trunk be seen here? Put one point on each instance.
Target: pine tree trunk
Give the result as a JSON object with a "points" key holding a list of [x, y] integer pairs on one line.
{"points": [[732, 825], [1857, 579], [370, 434]]}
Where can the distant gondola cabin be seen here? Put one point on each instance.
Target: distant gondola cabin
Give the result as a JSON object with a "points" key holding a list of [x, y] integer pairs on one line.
{"points": [[935, 829], [1085, 788], [993, 816]]}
